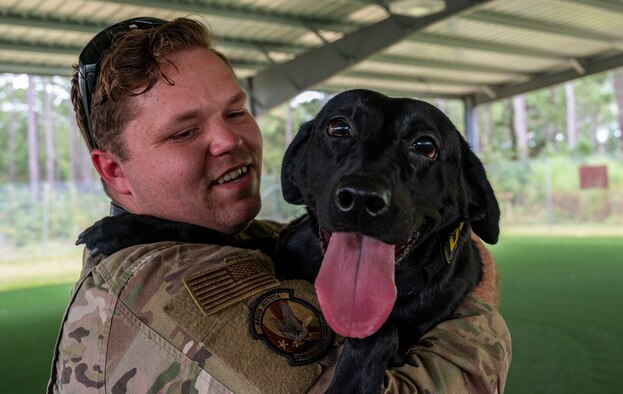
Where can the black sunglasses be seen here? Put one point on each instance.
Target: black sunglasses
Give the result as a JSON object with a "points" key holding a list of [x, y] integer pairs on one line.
{"points": [[91, 55]]}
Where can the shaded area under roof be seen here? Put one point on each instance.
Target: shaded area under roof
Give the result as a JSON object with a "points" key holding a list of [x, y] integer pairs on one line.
{"points": [[474, 50]]}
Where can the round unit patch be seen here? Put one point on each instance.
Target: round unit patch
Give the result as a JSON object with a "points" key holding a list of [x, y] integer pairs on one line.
{"points": [[290, 326]]}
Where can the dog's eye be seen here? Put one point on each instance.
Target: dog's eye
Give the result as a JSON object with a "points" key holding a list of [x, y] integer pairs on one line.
{"points": [[426, 146], [339, 127]]}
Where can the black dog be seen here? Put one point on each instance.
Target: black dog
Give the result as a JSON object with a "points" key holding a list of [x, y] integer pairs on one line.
{"points": [[392, 190]]}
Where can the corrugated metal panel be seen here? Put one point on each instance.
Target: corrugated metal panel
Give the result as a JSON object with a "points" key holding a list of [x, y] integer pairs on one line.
{"points": [[572, 14], [513, 36], [423, 72], [511, 41], [470, 56], [406, 86]]}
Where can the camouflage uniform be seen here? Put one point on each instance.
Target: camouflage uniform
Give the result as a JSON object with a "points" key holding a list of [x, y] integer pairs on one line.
{"points": [[132, 325]]}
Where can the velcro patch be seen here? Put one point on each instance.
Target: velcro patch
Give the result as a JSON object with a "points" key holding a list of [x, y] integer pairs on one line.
{"points": [[290, 326], [216, 289]]}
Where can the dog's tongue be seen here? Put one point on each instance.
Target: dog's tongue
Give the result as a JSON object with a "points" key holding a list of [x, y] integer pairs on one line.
{"points": [[355, 284]]}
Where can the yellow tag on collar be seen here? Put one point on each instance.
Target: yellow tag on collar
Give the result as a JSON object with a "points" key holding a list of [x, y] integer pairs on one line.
{"points": [[453, 242]]}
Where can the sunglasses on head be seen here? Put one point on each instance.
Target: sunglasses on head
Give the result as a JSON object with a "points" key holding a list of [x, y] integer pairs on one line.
{"points": [[91, 55]]}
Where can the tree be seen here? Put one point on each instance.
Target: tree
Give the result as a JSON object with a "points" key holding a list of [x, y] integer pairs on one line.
{"points": [[520, 125], [12, 129], [617, 85], [488, 126], [572, 125], [33, 139], [47, 129]]}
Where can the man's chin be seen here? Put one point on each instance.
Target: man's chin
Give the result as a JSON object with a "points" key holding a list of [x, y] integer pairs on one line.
{"points": [[236, 219]]}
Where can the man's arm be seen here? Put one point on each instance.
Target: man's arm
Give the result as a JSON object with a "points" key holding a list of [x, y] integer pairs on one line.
{"points": [[487, 289], [469, 353]]}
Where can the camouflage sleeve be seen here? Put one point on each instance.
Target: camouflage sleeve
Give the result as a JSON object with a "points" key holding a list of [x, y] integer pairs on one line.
{"points": [[469, 353]]}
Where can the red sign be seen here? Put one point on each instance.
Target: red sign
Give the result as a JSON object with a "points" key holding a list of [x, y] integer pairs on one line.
{"points": [[593, 177]]}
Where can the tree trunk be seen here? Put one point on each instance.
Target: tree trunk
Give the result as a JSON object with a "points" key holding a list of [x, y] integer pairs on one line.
{"points": [[33, 139], [617, 77], [521, 126], [47, 130], [12, 134], [86, 170], [72, 140], [572, 124], [511, 128], [488, 126]]}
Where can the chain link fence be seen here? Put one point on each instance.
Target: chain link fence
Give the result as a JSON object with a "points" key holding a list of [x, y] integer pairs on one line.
{"points": [[536, 192]]}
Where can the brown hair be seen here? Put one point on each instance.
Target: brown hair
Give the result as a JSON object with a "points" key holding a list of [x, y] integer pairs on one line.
{"points": [[131, 67]]}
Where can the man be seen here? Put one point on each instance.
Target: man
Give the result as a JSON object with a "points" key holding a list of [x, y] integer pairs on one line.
{"points": [[171, 137]]}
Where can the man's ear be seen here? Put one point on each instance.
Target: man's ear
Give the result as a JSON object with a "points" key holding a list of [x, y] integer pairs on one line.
{"points": [[110, 170]]}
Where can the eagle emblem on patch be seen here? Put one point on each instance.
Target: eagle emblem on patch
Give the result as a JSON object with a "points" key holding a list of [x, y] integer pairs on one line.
{"points": [[290, 326]]}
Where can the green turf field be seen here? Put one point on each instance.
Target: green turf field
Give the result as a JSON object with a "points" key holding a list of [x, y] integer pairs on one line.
{"points": [[29, 322], [561, 298], [563, 302]]}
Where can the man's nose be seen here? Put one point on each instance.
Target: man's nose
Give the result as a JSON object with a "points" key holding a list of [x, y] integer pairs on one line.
{"points": [[223, 139]]}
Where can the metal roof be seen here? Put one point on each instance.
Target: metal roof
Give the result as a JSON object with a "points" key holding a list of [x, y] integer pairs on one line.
{"points": [[474, 50]]}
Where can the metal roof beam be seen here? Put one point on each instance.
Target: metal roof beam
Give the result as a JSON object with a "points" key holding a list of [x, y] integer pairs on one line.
{"points": [[499, 18], [273, 86], [334, 89], [49, 23], [480, 45], [539, 81], [436, 64], [256, 14], [35, 69], [39, 48], [406, 78], [393, 59], [615, 6], [276, 46]]}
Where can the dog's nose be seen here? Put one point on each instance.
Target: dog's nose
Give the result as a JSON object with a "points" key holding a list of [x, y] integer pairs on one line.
{"points": [[362, 196]]}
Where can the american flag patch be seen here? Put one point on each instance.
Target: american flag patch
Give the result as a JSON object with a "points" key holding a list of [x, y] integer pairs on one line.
{"points": [[216, 289]]}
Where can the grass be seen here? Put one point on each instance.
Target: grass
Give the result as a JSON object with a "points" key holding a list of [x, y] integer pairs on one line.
{"points": [[561, 299], [54, 263], [29, 321], [560, 296]]}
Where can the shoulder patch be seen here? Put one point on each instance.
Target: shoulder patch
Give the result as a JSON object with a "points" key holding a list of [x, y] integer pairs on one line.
{"points": [[216, 289], [290, 326]]}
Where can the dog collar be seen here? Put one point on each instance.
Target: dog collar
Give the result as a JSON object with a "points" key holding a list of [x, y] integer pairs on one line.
{"points": [[455, 239]]}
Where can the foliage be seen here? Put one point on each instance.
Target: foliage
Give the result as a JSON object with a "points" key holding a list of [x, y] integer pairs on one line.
{"points": [[274, 124], [596, 115], [14, 110], [61, 212], [74, 200], [526, 189]]}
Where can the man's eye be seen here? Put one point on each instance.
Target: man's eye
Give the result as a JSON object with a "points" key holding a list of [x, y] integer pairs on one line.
{"points": [[183, 135], [339, 127], [236, 114], [425, 146]]}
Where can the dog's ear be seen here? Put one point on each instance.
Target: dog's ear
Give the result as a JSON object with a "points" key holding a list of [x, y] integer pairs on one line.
{"points": [[293, 166], [483, 209]]}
